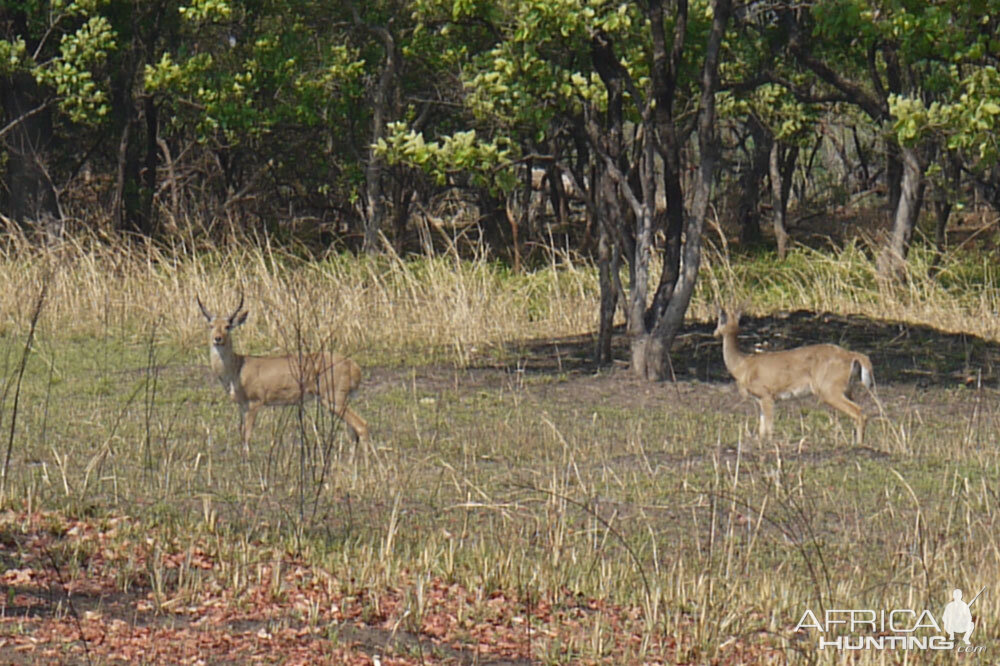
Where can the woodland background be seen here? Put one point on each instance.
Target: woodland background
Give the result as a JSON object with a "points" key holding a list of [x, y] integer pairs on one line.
{"points": [[611, 130]]}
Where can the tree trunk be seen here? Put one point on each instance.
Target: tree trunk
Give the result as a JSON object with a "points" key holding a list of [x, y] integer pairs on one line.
{"points": [[896, 159], [942, 209], [126, 211], [514, 211], [375, 208], [894, 174], [127, 206], [152, 158], [492, 222], [638, 321], [664, 78], [862, 153], [402, 195], [892, 259], [30, 195], [782, 166], [651, 355], [608, 187], [750, 184], [608, 264], [651, 330], [557, 195]]}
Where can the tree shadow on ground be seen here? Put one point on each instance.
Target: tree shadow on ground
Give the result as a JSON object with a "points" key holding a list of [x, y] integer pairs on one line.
{"points": [[900, 352]]}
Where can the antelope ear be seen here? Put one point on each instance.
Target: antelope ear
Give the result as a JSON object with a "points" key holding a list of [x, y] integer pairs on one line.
{"points": [[239, 320]]}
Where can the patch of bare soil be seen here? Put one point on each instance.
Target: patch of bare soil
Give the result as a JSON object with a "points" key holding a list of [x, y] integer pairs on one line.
{"points": [[920, 372], [906, 358]]}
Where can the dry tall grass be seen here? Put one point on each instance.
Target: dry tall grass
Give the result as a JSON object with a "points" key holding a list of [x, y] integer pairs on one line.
{"points": [[380, 307], [397, 310], [963, 297]]}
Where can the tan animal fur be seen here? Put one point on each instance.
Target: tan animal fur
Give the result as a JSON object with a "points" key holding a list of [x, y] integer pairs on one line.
{"points": [[257, 381], [823, 370]]}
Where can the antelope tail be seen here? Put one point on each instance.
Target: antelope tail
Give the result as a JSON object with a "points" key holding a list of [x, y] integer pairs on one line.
{"points": [[867, 376]]}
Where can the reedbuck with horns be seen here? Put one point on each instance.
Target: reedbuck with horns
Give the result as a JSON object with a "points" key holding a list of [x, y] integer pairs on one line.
{"points": [[257, 381], [825, 371]]}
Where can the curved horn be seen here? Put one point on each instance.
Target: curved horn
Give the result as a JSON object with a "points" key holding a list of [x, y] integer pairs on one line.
{"points": [[238, 308], [208, 315]]}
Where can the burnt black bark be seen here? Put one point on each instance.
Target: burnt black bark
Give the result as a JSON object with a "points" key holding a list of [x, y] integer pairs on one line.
{"points": [[751, 181], [782, 166], [30, 195]]}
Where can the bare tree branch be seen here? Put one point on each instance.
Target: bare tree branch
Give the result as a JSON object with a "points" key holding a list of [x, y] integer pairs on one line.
{"points": [[24, 116]]}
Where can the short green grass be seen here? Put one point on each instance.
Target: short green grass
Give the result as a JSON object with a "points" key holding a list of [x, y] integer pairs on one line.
{"points": [[506, 477]]}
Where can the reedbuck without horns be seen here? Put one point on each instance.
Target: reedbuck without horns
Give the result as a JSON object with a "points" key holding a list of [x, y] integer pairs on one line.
{"points": [[825, 371], [257, 381]]}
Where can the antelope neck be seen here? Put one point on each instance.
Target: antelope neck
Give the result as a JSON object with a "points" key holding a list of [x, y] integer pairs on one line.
{"points": [[222, 356], [731, 353]]}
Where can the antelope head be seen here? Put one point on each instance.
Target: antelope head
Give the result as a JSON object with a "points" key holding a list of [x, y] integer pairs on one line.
{"points": [[221, 326]]}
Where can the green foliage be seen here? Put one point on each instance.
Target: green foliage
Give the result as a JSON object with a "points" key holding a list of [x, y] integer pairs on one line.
{"points": [[294, 84], [11, 56], [243, 87], [284, 87], [967, 123], [72, 71], [541, 69], [167, 75], [461, 152], [791, 121], [203, 11], [751, 48], [925, 33], [943, 55], [525, 76]]}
